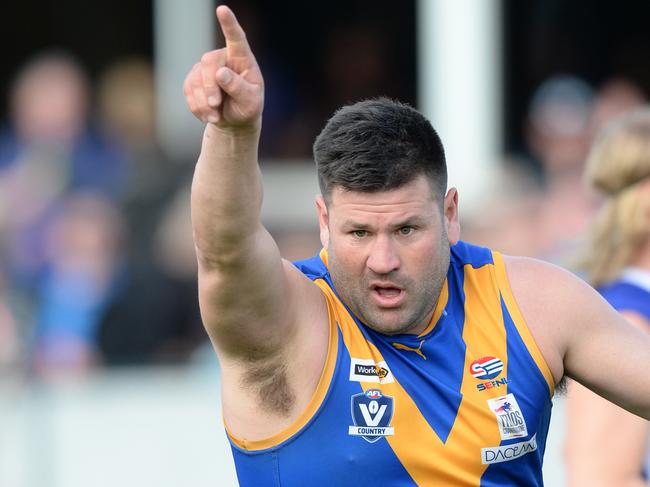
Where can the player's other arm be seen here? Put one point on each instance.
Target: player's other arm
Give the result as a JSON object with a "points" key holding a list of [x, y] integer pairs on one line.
{"points": [[247, 293], [581, 335]]}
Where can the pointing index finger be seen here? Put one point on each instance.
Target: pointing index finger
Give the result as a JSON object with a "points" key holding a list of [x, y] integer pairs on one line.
{"points": [[236, 43]]}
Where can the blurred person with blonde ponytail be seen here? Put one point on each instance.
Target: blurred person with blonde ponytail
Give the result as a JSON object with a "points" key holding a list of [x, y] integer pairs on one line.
{"points": [[606, 445]]}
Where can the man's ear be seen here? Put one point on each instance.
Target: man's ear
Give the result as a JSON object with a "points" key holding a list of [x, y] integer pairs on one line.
{"points": [[450, 208], [323, 220]]}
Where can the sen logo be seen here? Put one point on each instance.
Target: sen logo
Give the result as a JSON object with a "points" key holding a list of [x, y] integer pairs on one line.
{"points": [[486, 368]]}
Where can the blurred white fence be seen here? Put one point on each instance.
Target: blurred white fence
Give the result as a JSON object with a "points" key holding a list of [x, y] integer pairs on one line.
{"points": [[132, 427]]}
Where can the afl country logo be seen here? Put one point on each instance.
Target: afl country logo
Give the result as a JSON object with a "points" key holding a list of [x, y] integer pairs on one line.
{"points": [[372, 413], [486, 368]]}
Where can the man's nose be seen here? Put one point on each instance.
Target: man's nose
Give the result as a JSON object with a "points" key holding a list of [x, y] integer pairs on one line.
{"points": [[383, 257]]}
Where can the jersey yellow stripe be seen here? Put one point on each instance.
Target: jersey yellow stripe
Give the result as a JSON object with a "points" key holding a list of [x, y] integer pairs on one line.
{"points": [[415, 443], [484, 335], [319, 394], [324, 256], [520, 322]]}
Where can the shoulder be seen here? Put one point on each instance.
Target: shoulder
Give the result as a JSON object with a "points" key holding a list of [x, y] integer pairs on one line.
{"points": [[534, 279], [553, 302]]}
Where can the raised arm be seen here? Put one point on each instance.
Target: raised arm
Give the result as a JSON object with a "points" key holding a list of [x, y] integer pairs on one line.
{"points": [[248, 295]]}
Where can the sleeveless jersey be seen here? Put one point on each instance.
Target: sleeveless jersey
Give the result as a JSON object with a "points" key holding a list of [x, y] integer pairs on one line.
{"points": [[465, 403], [631, 292]]}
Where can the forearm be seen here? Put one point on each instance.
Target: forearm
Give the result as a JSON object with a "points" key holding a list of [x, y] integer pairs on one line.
{"points": [[226, 192]]}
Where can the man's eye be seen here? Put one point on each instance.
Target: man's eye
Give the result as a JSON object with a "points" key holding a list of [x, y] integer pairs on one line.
{"points": [[359, 233], [406, 230]]}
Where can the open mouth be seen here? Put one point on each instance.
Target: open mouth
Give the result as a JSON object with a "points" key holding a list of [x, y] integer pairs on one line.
{"points": [[387, 296], [387, 291]]}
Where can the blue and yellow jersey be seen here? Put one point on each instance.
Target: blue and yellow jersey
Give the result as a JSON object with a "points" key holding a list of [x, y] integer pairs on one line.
{"points": [[465, 403]]}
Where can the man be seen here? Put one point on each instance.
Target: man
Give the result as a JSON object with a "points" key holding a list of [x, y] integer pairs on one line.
{"points": [[400, 355]]}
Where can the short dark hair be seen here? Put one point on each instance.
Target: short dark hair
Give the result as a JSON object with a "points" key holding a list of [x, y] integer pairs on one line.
{"points": [[376, 145]]}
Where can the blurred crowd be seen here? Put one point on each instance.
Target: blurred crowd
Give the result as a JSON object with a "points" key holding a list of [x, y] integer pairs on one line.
{"points": [[542, 206], [96, 257], [97, 262]]}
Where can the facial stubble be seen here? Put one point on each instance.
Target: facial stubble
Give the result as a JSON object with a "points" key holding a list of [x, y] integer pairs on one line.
{"points": [[422, 293]]}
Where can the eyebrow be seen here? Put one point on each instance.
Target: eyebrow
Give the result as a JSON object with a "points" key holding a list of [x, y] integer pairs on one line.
{"points": [[409, 221], [355, 224]]}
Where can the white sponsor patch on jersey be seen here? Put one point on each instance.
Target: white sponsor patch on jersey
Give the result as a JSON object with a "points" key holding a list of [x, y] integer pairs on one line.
{"points": [[366, 370], [505, 453], [509, 417]]}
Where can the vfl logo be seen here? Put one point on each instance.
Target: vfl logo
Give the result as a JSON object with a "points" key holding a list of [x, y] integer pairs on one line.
{"points": [[372, 413], [509, 417], [366, 370], [486, 368]]}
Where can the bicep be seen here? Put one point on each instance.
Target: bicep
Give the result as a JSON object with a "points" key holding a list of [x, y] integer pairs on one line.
{"points": [[248, 304]]}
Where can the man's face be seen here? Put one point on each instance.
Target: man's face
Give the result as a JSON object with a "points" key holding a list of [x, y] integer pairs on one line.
{"points": [[389, 252]]}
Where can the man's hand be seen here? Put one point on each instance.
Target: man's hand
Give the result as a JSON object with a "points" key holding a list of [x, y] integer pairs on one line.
{"points": [[226, 87]]}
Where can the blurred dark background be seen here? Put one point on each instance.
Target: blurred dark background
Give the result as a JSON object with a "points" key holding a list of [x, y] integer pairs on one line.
{"points": [[592, 39]]}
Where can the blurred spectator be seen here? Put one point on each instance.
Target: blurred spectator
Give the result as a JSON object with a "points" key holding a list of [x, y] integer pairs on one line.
{"points": [[155, 318], [615, 97], [47, 151], [558, 120], [126, 103], [558, 136], [83, 246], [563, 117], [617, 262], [126, 108], [49, 115]]}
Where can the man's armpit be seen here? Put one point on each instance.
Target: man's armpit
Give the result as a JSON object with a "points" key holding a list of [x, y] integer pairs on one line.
{"points": [[267, 379]]}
